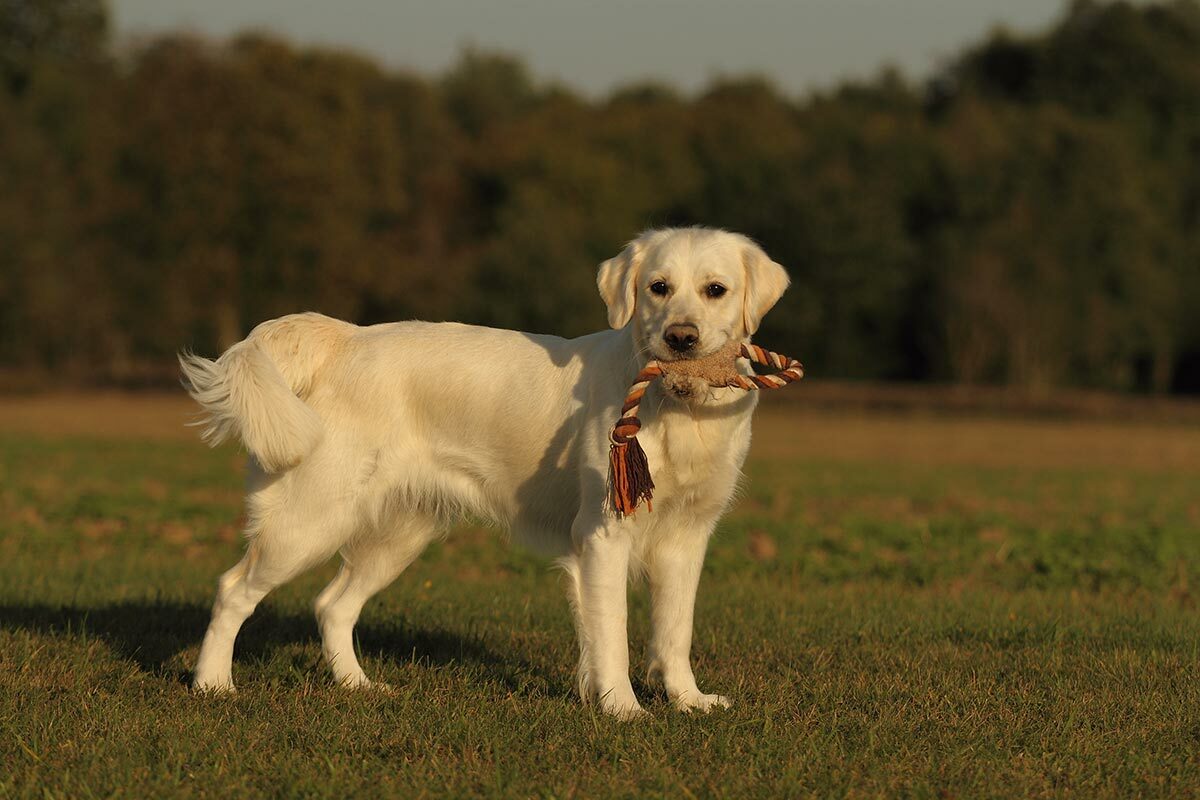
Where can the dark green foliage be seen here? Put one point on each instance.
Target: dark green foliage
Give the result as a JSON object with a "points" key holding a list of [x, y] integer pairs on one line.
{"points": [[1029, 217]]}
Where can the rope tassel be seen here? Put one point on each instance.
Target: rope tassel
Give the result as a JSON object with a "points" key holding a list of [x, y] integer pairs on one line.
{"points": [[629, 477], [629, 480]]}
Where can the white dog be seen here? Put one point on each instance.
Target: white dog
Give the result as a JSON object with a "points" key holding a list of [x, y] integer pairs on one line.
{"points": [[371, 441]]}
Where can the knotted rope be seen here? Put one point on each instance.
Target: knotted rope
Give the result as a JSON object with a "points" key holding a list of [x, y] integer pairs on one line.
{"points": [[629, 480]]}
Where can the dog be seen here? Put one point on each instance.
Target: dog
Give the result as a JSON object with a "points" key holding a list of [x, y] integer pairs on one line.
{"points": [[370, 442]]}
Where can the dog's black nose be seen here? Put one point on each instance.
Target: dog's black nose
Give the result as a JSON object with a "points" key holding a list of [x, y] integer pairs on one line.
{"points": [[681, 338]]}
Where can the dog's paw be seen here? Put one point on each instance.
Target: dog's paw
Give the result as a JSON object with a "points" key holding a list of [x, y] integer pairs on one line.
{"points": [[378, 687], [695, 701], [213, 686], [623, 706], [627, 713], [362, 682]]}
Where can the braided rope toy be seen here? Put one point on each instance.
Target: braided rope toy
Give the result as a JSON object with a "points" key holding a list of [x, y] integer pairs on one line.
{"points": [[629, 480]]}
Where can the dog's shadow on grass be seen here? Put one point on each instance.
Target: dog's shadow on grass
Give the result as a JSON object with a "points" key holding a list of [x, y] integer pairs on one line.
{"points": [[153, 635]]}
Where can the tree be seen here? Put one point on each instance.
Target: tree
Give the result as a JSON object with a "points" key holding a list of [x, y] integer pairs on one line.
{"points": [[43, 34]]}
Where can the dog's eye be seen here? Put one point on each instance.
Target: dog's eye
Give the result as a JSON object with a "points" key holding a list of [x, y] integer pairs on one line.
{"points": [[660, 288], [715, 290]]}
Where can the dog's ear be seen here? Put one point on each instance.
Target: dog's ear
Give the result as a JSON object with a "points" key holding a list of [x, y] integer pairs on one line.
{"points": [[617, 281], [766, 282]]}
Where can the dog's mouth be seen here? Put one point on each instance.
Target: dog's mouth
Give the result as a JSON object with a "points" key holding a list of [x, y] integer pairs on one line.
{"points": [[684, 387], [671, 355], [692, 376], [673, 384], [662, 353]]}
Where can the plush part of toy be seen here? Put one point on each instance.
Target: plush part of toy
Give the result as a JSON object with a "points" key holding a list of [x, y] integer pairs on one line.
{"points": [[629, 480]]}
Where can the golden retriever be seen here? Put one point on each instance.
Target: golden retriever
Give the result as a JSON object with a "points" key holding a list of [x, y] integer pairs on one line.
{"points": [[371, 441]]}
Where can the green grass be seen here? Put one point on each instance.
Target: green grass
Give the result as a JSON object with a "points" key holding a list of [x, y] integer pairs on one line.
{"points": [[886, 627]]}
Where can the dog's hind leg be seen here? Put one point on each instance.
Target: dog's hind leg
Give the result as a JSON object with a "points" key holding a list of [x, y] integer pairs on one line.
{"points": [[369, 565], [269, 562]]}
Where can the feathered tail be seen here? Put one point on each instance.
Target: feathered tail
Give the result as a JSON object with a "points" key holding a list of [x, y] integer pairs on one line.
{"points": [[244, 393]]}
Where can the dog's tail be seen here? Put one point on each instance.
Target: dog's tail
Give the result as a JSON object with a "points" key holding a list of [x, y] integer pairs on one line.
{"points": [[254, 389]]}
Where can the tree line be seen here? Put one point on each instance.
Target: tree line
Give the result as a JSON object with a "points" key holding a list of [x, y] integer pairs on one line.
{"points": [[1027, 216]]}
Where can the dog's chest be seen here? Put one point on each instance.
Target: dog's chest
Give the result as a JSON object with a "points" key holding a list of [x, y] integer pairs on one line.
{"points": [[692, 452], [697, 456]]}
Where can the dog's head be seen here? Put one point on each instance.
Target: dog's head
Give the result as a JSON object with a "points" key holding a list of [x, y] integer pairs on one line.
{"points": [[689, 291]]}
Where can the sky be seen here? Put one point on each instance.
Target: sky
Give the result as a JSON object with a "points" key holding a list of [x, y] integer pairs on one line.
{"points": [[596, 45]]}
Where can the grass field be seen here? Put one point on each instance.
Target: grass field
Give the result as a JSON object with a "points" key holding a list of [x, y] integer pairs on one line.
{"points": [[899, 606]]}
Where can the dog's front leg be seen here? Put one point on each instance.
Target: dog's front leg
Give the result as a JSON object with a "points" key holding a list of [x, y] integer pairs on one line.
{"points": [[601, 614], [673, 568]]}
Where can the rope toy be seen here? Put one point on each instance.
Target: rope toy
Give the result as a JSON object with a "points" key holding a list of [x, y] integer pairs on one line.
{"points": [[629, 480]]}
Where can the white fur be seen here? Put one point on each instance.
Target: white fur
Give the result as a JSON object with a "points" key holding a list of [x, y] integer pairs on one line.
{"points": [[370, 441]]}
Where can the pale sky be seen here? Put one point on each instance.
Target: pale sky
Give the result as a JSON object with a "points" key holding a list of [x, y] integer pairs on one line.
{"points": [[595, 45]]}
